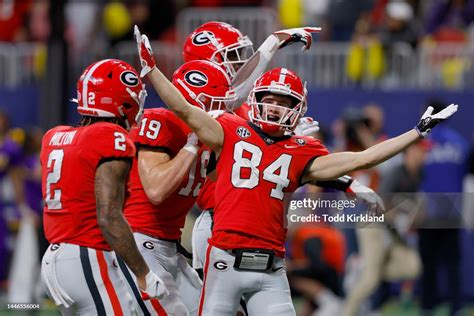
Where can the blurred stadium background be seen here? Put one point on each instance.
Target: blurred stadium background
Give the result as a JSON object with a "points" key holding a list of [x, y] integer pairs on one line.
{"points": [[376, 64]]}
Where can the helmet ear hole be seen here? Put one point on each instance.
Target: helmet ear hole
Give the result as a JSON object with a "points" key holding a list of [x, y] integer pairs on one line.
{"points": [[127, 106]]}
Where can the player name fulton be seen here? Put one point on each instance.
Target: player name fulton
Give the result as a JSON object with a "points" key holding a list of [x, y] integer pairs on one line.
{"points": [[338, 218]]}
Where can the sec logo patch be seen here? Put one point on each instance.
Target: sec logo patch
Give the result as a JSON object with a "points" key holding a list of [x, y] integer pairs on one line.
{"points": [[243, 132]]}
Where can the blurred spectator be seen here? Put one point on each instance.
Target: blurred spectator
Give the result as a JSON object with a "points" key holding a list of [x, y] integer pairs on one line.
{"points": [[316, 266], [32, 181], [38, 24], [384, 255], [399, 25], [342, 16], [10, 159], [375, 117], [83, 23], [13, 20], [439, 241], [154, 18], [315, 12], [404, 178], [24, 270], [448, 20]]}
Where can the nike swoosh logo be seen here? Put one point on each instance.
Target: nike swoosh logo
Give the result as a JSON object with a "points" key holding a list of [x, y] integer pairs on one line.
{"points": [[276, 269]]}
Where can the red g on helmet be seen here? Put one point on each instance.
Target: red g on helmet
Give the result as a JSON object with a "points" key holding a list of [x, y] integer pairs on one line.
{"points": [[204, 84], [280, 81], [111, 88], [220, 43]]}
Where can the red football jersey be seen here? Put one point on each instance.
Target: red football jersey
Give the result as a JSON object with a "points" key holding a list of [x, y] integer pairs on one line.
{"points": [[162, 129], [254, 171], [69, 159], [243, 111], [205, 199]]}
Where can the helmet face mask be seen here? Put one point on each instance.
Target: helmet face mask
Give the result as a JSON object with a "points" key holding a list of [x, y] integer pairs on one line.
{"points": [[234, 56], [220, 43], [111, 88], [274, 118], [204, 84]]}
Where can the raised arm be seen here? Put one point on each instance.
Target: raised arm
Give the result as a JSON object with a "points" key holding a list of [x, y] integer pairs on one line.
{"points": [[258, 63], [335, 165], [206, 128]]}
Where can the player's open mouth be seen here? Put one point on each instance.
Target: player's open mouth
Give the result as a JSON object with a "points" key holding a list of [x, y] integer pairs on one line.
{"points": [[273, 118]]}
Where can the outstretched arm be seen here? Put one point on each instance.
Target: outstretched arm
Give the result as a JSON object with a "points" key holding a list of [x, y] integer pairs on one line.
{"points": [[335, 165], [258, 63], [206, 128]]}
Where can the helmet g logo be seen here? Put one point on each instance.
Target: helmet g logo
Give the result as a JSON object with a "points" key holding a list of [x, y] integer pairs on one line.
{"points": [[129, 78], [202, 38], [148, 245], [196, 78], [221, 265]]}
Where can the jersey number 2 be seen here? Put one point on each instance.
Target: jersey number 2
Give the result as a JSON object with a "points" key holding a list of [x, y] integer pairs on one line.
{"points": [[53, 199], [241, 162]]}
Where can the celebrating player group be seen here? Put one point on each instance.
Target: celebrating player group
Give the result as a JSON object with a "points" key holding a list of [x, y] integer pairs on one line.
{"points": [[233, 139]]}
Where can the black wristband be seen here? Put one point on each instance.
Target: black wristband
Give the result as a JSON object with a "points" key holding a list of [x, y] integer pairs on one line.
{"points": [[340, 184]]}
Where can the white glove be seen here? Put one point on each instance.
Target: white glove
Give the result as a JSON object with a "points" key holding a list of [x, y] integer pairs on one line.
{"points": [[145, 52], [299, 34], [306, 127], [155, 288], [216, 113], [192, 144], [366, 194], [428, 121]]}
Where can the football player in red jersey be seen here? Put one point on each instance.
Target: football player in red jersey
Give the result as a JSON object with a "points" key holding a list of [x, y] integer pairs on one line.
{"points": [[84, 173], [258, 162], [225, 45], [165, 180]]}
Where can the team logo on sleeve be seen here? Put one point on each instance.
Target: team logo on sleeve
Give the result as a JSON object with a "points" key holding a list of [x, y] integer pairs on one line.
{"points": [[129, 78], [196, 78], [203, 38], [301, 141], [243, 132]]}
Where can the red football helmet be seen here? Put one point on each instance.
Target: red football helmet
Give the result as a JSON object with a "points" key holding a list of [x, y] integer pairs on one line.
{"points": [[111, 88], [220, 43], [280, 81], [204, 84]]}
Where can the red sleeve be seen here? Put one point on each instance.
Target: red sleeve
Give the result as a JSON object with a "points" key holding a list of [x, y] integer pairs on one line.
{"points": [[243, 111], [315, 147], [160, 129], [230, 121], [110, 141]]}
